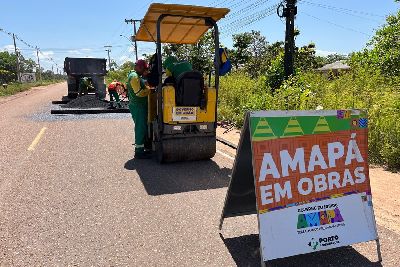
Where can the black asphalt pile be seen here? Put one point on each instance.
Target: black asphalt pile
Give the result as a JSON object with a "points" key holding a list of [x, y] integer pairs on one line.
{"points": [[87, 101]]}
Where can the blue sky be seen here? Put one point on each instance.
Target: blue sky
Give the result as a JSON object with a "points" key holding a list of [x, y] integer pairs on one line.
{"points": [[81, 28]]}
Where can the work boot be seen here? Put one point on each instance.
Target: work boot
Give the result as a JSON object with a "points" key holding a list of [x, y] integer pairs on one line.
{"points": [[142, 155]]}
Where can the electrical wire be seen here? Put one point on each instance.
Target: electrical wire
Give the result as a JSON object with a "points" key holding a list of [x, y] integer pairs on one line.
{"points": [[335, 24], [248, 20], [32, 47], [251, 6], [344, 11], [249, 13]]}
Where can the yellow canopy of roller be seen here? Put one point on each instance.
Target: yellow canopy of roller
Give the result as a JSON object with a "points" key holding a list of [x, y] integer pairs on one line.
{"points": [[177, 30]]}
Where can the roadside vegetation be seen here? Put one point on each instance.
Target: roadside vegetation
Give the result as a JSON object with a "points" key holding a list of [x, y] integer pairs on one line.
{"points": [[120, 73], [14, 88], [373, 84], [257, 82], [8, 74]]}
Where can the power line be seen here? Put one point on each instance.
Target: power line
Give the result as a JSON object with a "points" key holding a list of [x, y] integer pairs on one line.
{"points": [[214, 3], [248, 14], [16, 37], [248, 20], [335, 24], [341, 10], [245, 10]]}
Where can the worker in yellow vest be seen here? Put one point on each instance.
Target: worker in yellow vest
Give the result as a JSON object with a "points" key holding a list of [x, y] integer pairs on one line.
{"points": [[137, 94]]}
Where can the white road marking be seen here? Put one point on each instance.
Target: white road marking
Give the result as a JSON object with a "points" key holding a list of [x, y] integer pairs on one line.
{"points": [[225, 155], [37, 139]]}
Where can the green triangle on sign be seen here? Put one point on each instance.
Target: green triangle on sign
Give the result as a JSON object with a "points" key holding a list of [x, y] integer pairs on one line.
{"points": [[263, 131], [322, 126], [293, 128]]}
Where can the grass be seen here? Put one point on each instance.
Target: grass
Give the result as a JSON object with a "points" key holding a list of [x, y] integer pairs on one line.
{"points": [[361, 89], [14, 88]]}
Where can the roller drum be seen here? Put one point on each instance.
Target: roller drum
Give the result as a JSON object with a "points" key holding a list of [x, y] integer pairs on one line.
{"points": [[186, 149]]}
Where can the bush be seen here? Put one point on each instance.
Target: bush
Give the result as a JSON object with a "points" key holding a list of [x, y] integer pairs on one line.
{"points": [[239, 93], [360, 89], [121, 74], [13, 88]]}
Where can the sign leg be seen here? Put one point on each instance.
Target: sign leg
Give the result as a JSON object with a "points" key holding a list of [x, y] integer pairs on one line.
{"points": [[263, 264], [378, 250], [221, 221]]}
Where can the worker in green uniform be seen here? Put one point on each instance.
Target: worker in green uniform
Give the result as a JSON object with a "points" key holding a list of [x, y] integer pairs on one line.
{"points": [[137, 93], [84, 85], [174, 68]]}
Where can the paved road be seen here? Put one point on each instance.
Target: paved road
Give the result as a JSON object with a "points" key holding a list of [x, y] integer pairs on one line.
{"points": [[78, 198]]}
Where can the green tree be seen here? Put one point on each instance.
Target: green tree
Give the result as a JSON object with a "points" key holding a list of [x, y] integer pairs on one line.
{"points": [[334, 57], [240, 53], [251, 52], [121, 73], [305, 58], [200, 55], [8, 69], [383, 51], [8, 66], [113, 65]]}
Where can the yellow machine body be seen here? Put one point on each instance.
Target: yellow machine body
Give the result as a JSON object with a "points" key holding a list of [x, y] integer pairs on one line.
{"points": [[179, 132], [202, 115]]}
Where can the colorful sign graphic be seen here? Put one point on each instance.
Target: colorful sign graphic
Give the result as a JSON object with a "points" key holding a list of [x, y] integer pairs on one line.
{"points": [[319, 218], [311, 180]]}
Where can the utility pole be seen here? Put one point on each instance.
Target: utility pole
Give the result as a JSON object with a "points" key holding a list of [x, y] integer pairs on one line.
{"points": [[108, 52], [16, 54], [38, 62], [133, 21], [289, 12]]}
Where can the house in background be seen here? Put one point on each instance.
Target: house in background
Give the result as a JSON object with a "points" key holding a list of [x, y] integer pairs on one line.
{"points": [[335, 68]]}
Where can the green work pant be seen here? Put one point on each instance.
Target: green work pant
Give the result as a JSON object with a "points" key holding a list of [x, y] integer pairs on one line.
{"points": [[139, 116], [114, 94], [83, 89]]}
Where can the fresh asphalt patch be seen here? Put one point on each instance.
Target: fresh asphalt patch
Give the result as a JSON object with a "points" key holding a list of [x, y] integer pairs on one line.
{"points": [[44, 115]]}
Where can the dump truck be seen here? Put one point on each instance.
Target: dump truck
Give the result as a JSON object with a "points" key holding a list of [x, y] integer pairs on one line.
{"points": [[93, 68], [182, 116]]}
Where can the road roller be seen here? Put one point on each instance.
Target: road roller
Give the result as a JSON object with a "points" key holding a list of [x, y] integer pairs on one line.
{"points": [[182, 114]]}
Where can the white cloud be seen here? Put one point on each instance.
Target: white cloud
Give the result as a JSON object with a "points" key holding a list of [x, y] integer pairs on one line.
{"points": [[46, 54], [74, 52], [131, 49], [86, 49], [8, 48], [123, 59], [325, 53]]}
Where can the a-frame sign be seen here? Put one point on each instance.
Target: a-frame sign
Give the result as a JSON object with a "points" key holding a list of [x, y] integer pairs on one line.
{"points": [[305, 174]]}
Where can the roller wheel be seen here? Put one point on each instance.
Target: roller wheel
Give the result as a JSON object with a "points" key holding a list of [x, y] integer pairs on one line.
{"points": [[186, 149]]}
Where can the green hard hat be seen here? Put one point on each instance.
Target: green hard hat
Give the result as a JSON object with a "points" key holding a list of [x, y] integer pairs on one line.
{"points": [[169, 62]]}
